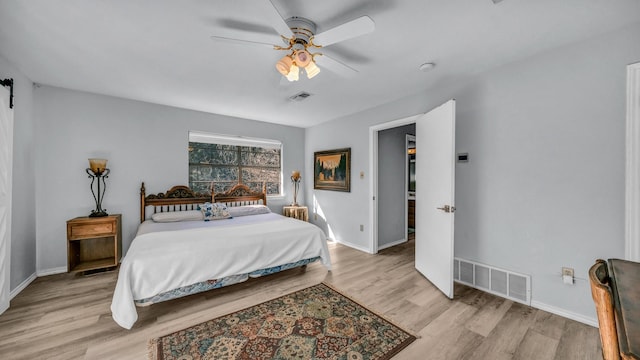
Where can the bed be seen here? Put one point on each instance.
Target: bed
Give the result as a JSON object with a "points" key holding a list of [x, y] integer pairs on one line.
{"points": [[178, 252]]}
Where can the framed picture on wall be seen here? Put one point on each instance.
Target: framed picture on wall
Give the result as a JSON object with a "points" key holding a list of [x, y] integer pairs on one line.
{"points": [[332, 170]]}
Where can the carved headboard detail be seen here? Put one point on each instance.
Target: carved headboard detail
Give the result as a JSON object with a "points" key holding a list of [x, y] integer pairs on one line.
{"points": [[182, 198], [241, 193], [177, 192]]}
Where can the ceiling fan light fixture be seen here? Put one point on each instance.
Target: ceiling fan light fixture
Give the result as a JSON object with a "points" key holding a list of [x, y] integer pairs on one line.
{"points": [[303, 58], [294, 73], [312, 69], [298, 35], [284, 65]]}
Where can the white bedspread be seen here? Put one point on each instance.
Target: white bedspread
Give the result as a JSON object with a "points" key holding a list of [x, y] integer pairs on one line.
{"points": [[166, 256]]}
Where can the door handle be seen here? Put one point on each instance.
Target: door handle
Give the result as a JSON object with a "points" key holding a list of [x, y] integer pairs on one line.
{"points": [[447, 208]]}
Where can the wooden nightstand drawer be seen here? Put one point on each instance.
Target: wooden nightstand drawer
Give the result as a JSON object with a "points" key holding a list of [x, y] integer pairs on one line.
{"points": [[79, 230]]}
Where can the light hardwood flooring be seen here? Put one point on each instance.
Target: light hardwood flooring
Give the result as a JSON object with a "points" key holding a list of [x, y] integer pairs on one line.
{"points": [[68, 317]]}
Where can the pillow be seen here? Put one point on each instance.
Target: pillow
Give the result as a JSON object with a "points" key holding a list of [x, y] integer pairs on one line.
{"points": [[173, 216], [215, 211], [236, 211]]}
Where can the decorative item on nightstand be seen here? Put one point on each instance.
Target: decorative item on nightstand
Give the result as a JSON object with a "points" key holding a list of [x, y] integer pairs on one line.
{"points": [[295, 179], [97, 170]]}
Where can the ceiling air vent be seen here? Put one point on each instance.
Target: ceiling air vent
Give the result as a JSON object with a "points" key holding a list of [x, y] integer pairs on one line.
{"points": [[299, 96]]}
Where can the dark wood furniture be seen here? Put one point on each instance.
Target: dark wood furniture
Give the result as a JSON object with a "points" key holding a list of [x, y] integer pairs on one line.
{"points": [[412, 214], [182, 198], [94, 243], [625, 281], [615, 287]]}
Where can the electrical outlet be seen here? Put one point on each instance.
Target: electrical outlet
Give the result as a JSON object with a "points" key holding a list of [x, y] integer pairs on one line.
{"points": [[567, 275], [315, 216], [361, 227]]}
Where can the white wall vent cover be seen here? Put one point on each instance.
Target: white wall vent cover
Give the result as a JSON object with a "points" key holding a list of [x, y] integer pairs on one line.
{"points": [[505, 283]]}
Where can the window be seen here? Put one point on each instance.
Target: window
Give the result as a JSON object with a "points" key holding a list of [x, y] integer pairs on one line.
{"points": [[228, 160]]}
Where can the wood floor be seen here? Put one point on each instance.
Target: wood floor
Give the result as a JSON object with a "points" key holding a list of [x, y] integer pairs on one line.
{"points": [[68, 317]]}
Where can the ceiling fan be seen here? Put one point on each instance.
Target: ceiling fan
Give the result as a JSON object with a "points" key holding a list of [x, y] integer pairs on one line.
{"points": [[298, 38]]}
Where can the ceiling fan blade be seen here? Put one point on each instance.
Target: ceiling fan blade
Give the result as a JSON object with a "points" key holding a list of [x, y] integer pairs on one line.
{"points": [[331, 64], [244, 37], [354, 28], [275, 19]]}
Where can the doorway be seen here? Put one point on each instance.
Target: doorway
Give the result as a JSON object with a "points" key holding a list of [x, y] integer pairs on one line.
{"points": [[435, 135], [374, 166], [392, 185]]}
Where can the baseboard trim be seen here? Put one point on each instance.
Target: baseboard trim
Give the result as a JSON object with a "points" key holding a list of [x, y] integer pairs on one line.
{"points": [[59, 270], [564, 313], [13, 293], [397, 242], [53, 271], [353, 246]]}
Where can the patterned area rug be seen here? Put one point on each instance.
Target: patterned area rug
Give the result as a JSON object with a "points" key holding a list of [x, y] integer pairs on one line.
{"points": [[314, 323]]}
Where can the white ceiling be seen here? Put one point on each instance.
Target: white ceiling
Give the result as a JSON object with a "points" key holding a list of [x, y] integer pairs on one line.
{"points": [[160, 51]]}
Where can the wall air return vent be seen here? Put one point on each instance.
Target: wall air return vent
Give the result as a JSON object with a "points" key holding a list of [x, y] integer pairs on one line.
{"points": [[299, 96], [504, 283]]}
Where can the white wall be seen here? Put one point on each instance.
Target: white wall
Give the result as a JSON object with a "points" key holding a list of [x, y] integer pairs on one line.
{"points": [[23, 231], [142, 141], [544, 187]]}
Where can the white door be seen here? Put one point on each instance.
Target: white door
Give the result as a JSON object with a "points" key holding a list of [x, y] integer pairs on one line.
{"points": [[435, 175], [6, 150]]}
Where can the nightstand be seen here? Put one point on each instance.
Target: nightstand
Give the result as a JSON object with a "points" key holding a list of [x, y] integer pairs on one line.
{"points": [[94, 243], [296, 212]]}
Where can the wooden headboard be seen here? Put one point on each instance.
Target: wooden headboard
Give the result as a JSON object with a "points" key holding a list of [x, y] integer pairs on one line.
{"points": [[182, 198]]}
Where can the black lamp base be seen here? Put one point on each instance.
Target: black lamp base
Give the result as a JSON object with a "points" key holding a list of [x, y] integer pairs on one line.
{"points": [[98, 213], [98, 195]]}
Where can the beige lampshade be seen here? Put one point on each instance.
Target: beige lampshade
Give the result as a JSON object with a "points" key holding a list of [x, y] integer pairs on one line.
{"points": [[303, 58], [284, 65], [98, 165], [295, 175], [312, 70]]}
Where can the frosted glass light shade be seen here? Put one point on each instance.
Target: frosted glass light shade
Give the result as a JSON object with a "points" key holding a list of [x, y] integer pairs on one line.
{"points": [[284, 65], [294, 73], [312, 69], [303, 58], [98, 165]]}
